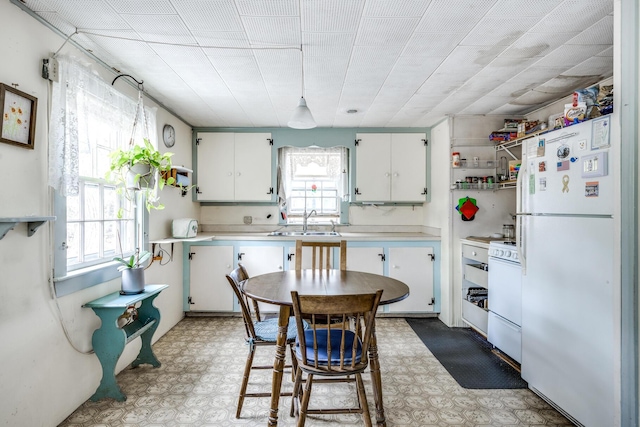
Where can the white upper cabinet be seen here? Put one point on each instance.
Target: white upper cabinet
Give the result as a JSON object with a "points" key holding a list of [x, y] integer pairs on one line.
{"points": [[391, 167], [234, 167]]}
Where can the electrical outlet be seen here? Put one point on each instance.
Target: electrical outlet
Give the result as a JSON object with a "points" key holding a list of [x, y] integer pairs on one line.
{"points": [[248, 220]]}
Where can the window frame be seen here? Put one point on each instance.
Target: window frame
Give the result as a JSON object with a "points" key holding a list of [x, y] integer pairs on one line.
{"points": [[342, 203]]}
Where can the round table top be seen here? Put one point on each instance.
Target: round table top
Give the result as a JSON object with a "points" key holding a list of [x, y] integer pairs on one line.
{"points": [[275, 288]]}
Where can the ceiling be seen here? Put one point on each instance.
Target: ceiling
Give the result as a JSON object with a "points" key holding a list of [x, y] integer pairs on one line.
{"points": [[399, 63]]}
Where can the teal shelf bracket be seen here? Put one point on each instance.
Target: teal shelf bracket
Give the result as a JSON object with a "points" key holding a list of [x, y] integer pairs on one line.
{"points": [[33, 223]]}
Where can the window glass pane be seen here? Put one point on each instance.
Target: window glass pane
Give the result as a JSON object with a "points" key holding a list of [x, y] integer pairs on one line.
{"points": [[92, 240], [110, 239], [73, 237], [127, 236], [92, 205], [73, 208], [111, 203]]}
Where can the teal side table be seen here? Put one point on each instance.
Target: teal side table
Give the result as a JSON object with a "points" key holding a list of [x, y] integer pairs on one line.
{"points": [[109, 340]]}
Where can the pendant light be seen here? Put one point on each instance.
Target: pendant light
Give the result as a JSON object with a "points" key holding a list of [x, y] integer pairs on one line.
{"points": [[302, 117]]}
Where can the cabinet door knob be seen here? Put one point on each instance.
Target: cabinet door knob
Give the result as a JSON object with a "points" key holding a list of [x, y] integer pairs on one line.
{"points": [[229, 173], [387, 174], [396, 174], [395, 266], [238, 173], [474, 253]]}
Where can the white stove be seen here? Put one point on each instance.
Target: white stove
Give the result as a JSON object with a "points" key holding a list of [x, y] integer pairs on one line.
{"points": [[504, 250], [505, 299]]}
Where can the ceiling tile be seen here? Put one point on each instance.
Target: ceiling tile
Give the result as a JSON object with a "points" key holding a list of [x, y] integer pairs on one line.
{"points": [[516, 9], [599, 33], [331, 15], [432, 44], [328, 44], [386, 8], [532, 45], [268, 8], [498, 31], [441, 17], [141, 7], [385, 31], [574, 15], [284, 31], [569, 55], [209, 15]]}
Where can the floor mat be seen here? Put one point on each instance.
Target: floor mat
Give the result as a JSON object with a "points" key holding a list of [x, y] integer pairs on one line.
{"points": [[466, 355]]}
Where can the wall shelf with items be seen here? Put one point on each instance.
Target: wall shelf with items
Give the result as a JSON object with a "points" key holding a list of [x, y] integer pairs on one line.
{"points": [[33, 223], [475, 186]]}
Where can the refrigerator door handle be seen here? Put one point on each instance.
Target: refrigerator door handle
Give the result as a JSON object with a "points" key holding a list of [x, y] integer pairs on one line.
{"points": [[519, 229]]}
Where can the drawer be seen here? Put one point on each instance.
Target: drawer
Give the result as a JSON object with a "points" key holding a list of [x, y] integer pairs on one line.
{"points": [[476, 275], [475, 253], [506, 336], [475, 316]]}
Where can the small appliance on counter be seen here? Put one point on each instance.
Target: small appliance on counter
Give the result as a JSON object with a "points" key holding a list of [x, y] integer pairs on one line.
{"points": [[184, 228]]}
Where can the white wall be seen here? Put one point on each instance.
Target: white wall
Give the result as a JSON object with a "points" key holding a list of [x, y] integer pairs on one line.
{"points": [[42, 377], [470, 136], [437, 214]]}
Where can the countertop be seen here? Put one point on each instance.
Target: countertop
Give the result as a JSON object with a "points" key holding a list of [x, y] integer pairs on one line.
{"points": [[359, 236]]}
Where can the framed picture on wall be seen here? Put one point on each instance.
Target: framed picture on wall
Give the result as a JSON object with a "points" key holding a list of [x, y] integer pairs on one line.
{"points": [[18, 124]]}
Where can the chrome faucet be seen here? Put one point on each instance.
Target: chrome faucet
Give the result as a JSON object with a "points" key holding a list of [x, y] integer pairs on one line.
{"points": [[305, 217]]}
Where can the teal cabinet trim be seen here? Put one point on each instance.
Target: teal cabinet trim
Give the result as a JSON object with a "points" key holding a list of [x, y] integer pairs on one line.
{"points": [[109, 340]]}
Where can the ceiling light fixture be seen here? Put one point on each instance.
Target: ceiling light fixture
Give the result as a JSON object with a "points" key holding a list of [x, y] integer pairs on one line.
{"points": [[302, 117]]}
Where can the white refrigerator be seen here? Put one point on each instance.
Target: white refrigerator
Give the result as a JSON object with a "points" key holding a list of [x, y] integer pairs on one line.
{"points": [[565, 237]]}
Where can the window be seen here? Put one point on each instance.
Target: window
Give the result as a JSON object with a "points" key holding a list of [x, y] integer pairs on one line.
{"points": [[89, 119], [94, 233], [314, 180]]}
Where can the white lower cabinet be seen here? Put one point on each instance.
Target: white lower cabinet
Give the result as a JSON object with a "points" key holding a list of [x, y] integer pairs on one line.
{"points": [[366, 259], [413, 266], [209, 288], [261, 260]]}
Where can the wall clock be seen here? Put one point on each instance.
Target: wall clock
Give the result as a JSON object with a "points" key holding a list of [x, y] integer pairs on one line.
{"points": [[168, 136]]}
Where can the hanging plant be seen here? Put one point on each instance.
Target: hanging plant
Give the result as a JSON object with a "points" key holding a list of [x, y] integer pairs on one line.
{"points": [[137, 170]]}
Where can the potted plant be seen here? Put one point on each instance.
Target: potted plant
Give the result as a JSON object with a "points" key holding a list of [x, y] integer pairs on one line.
{"points": [[132, 270], [137, 169]]}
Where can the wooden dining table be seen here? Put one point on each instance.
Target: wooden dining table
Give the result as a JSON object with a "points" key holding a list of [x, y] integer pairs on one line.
{"points": [[275, 288]]}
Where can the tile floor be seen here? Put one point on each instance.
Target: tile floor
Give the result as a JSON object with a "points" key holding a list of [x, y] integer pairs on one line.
{"points": [[202, 363]]}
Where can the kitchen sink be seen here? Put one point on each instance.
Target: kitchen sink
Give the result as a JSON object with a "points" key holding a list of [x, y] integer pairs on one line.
{"points": [[304, 233]]}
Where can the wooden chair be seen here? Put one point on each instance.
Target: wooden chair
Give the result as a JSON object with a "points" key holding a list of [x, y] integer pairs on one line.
{"points": [[332, 350], [258, 333], [321, 254]]}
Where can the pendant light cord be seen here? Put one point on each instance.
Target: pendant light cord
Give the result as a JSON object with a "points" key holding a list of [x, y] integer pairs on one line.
{"points": [[302, 66]]}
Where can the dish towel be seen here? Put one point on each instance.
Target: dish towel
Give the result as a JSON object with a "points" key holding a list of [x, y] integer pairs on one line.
{"points": [[282, 197]]}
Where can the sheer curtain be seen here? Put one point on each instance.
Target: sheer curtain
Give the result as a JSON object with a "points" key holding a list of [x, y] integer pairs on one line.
{"points": [[296, 164], [80, 98]]}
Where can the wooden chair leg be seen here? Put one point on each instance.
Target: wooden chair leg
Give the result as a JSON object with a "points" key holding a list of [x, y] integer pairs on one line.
{"points": [[245, 379], [295, 395], [363, 401], [304, 405]]}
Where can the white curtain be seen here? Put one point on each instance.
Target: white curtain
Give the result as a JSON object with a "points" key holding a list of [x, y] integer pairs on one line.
{"points": [[294, 163], [78, 99]]}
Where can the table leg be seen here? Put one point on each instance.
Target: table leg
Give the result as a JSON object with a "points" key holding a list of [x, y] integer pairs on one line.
{"points": [[376, 379], [278, 364], [108, 343], [146, 313]]}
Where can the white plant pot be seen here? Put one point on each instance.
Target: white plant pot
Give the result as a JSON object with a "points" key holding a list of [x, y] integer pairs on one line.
{"points": [[147, 177], [132, 281]]}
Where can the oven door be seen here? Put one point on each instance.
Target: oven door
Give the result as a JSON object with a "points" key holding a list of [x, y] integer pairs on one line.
{"points": [[505, 289]]}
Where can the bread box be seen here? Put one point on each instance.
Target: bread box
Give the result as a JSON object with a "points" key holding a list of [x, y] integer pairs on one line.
{"points": [[184, 228]]}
